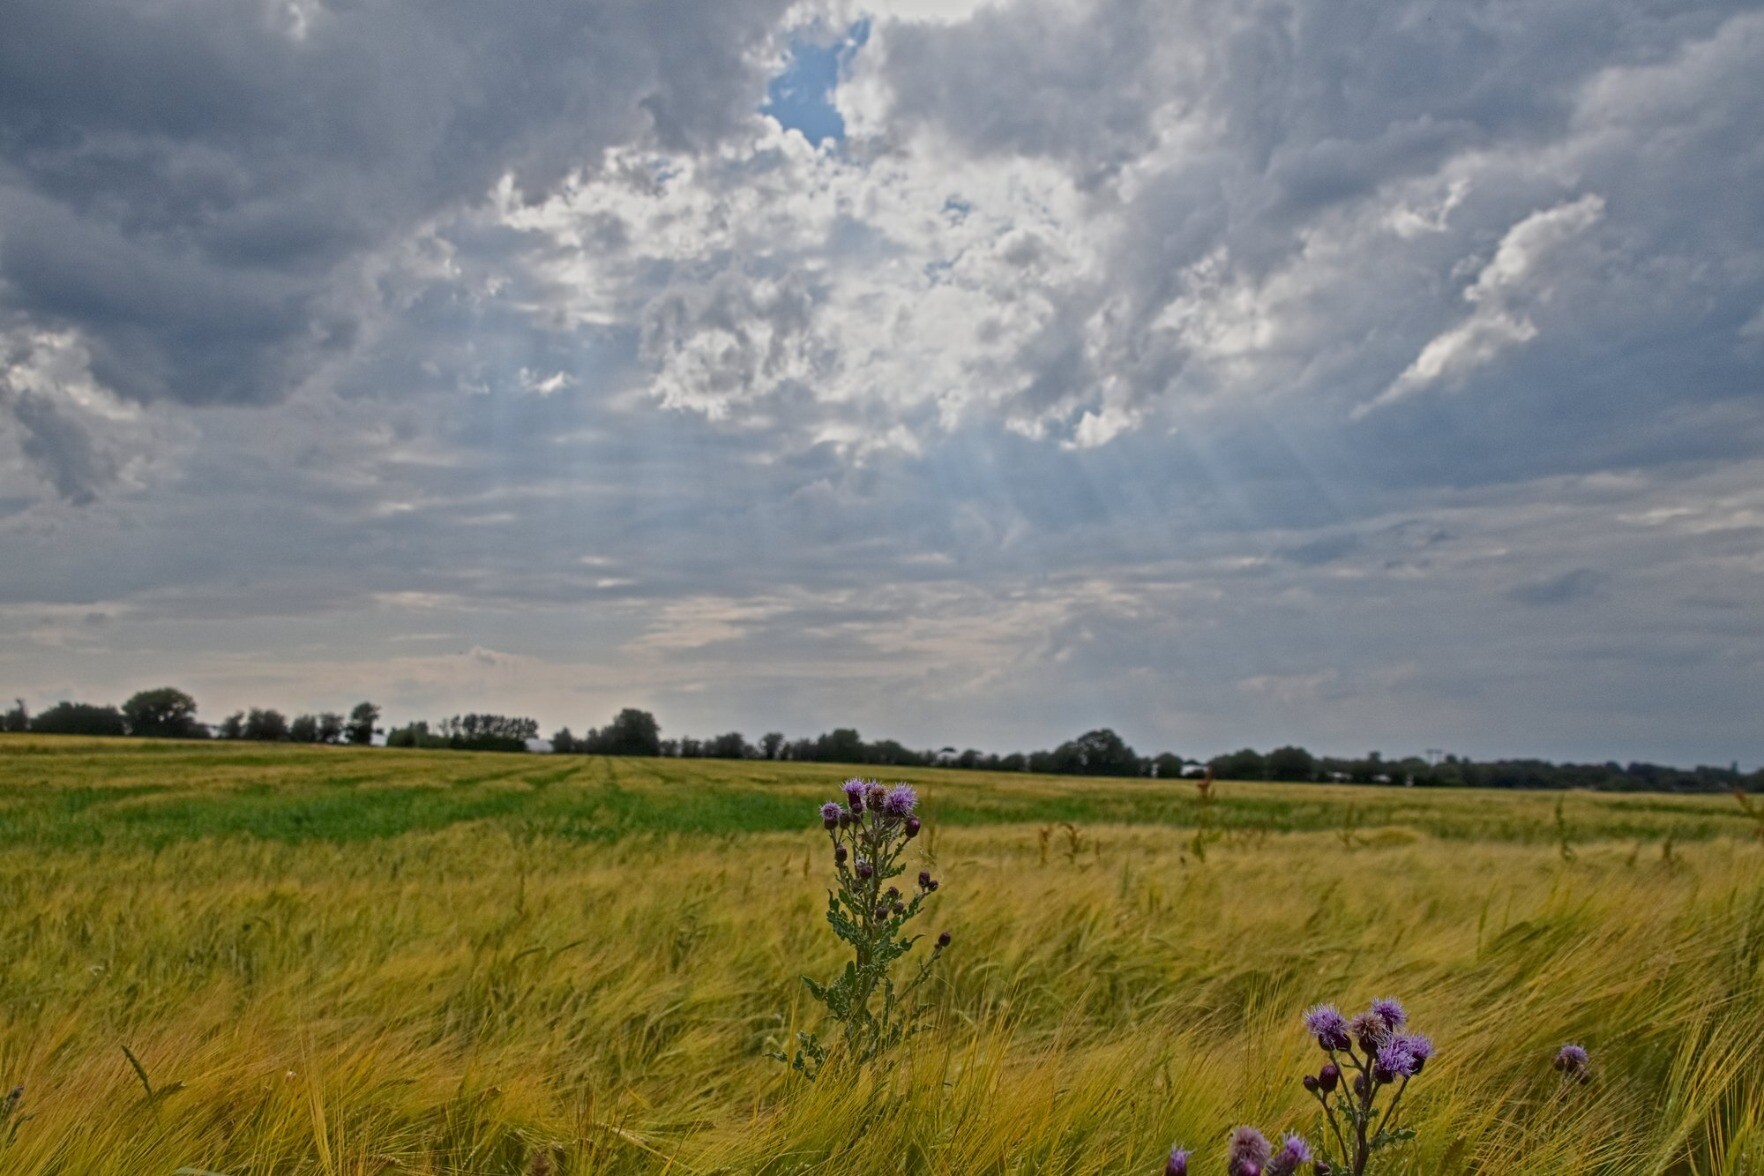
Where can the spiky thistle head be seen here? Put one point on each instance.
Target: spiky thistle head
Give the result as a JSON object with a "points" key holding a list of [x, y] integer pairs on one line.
{"points": [[899, 801], [1369, 1030], [1293, 1152], [1419, 1048], [1178, 1164], [830, 814], [854, 790], [1572, 1060], [1328, 1026], [1247, 1153], [1390, 1011], [1394, 1061]]}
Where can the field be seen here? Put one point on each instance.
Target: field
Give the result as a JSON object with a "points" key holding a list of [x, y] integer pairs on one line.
{"points": [[366, 961]]}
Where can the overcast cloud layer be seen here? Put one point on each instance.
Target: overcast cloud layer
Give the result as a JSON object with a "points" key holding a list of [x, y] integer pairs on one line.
{"points": [[1355, 374]]}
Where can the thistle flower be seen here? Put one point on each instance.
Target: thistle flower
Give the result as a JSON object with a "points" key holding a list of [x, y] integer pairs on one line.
{"points": [[1328, 1026], [1419, 1048], [1369, 1030], [1293, 1152], [1572, 1060], [830, 814], [874, 795], [1248, 1152], [1178, 1165], [1390, 1012], [1394, 1061], [899, 801], [854, 790]]}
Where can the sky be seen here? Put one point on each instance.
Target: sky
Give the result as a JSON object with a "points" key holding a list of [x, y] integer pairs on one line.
{"points": [[1354, 373]]}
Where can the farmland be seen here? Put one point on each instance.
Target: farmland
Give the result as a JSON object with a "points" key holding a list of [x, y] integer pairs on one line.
{"points": [[327, 960]]}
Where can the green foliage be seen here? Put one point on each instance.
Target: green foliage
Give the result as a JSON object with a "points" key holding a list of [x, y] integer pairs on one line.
{"points": [[164, 713], [79, 718], [870, 916], [361, 728]]}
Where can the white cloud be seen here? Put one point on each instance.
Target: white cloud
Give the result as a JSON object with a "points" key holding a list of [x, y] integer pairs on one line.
{"points": [[1508, 283]]}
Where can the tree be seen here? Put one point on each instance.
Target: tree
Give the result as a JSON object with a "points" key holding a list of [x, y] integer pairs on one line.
{"points": [[232, 727], [1240, 765], [730, 746], [1096, 753], [79, 718], [1167, 766], [330, 727], [164, 713], [304, 729], [267, 726], [842, 745], [632, 732], [361, 727], [17, 719], [562, 742], [771, 744], [1291, 763]]}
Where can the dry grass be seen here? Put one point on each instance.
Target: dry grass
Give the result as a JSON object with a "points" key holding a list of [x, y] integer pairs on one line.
{"points": [[460, 996]]}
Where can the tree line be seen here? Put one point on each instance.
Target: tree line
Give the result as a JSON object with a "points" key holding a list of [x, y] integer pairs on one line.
{"points": [[166, 712]]}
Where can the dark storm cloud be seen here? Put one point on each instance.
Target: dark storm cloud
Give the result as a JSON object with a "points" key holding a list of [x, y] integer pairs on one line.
{"points": [[199, 186]]}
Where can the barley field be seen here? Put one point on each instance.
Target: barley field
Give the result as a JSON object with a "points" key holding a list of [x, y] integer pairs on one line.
{"points": [[247, 959]]}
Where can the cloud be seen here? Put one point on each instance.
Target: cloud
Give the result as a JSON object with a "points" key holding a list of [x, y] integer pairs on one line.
{"points": [[1027, 404], [207, 191], [1579, 584], [1501, 288]]}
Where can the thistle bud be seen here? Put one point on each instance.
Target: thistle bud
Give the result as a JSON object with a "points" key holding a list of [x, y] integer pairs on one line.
{"points": [[1311, 1083], [924, 879], [1329, 1077], [864, 869], [912, 827], [943, 939], [840, 853]]}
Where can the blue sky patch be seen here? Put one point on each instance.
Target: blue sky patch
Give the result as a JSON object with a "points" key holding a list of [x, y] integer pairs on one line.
{"points": [[802, 96]]}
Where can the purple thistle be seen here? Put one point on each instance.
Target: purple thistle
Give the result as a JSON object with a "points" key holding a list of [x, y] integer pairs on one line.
{"points": [[1390, 1012], [1369, 1030], [1394, 1061], [1328, 1026], [854, 790], [1178, 1165], [912, 826], [1571, 1060], [1293, 1152], [830, 814], [1329, 1077], [899, 801], [1247, 1153], [1419, 1047]]}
